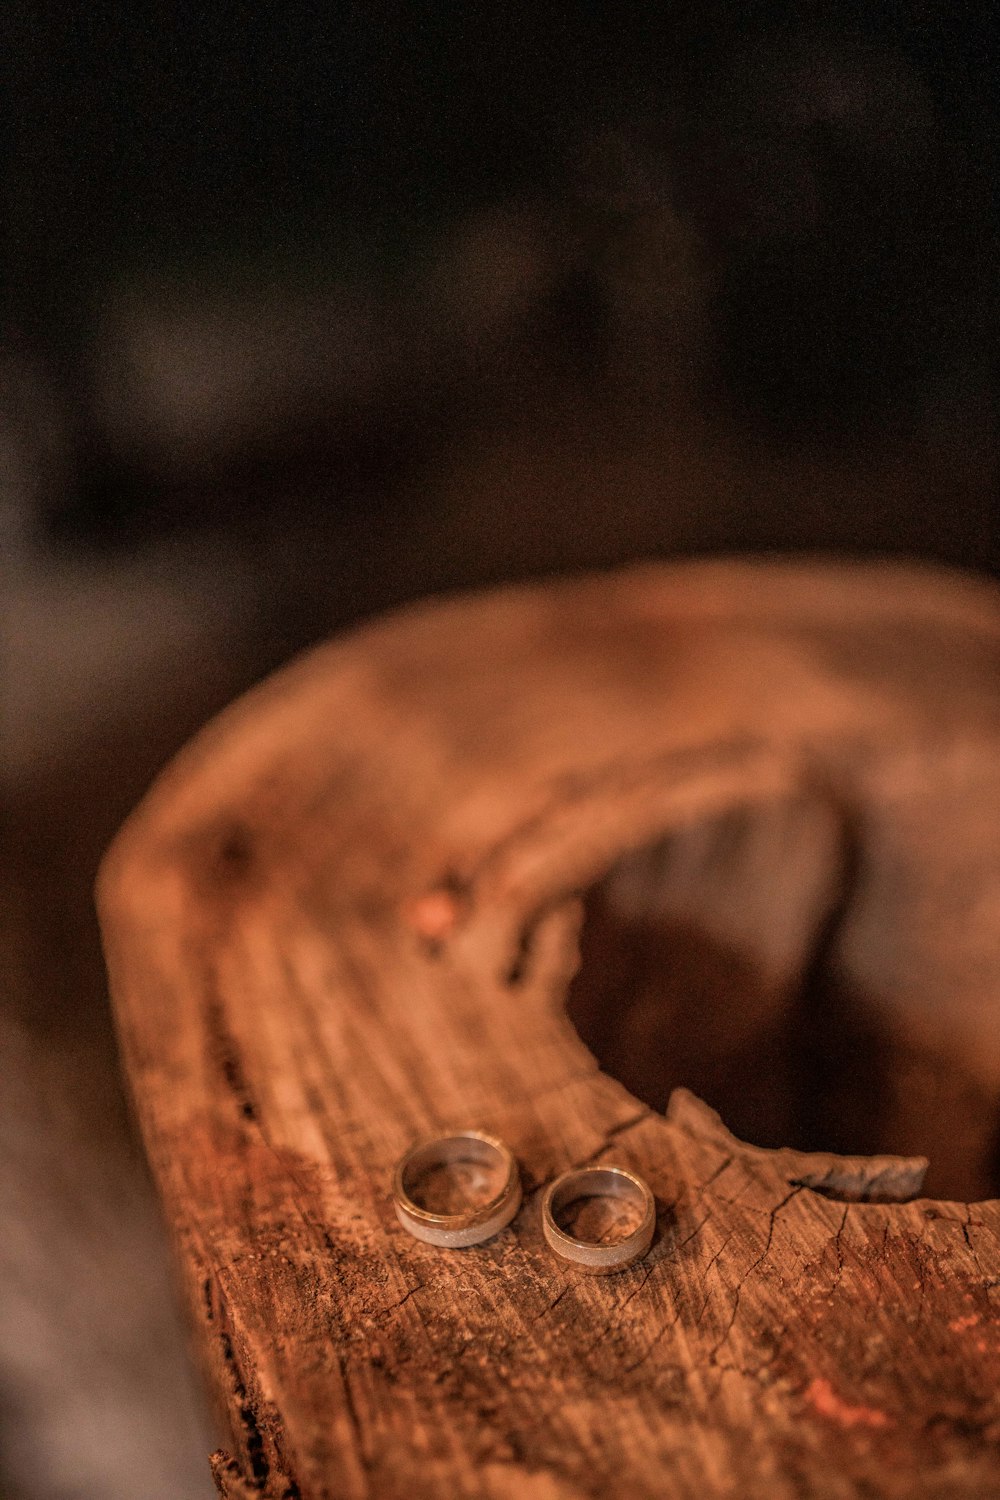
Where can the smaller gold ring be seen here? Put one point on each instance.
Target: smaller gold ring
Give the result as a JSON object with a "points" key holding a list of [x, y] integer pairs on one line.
{"points": [[599, 1182], [471, 1226]]}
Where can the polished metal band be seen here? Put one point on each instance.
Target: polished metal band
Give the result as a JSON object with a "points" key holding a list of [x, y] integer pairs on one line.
{"points": [[457, 1230], [599, 1182]]}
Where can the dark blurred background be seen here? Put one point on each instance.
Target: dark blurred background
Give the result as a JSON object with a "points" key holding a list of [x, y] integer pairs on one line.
{"points": [[309, 310]]}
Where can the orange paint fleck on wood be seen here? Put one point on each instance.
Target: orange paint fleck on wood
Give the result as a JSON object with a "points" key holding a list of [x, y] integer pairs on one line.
{"points": [[826, 1401], [434, 915]]}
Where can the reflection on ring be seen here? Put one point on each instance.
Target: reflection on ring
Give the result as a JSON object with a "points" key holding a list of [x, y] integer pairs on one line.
{"points": [[469, 1226]]}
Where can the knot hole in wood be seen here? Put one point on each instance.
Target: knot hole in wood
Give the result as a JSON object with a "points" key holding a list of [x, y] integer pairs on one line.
{"points": [[732, 958]]}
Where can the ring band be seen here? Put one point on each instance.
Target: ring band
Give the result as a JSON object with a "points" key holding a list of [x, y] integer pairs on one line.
{"points": [[471, 1226], [599, 1182]]}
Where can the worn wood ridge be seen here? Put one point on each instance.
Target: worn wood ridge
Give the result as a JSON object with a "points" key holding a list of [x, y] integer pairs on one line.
{"points": [[350, 915]]}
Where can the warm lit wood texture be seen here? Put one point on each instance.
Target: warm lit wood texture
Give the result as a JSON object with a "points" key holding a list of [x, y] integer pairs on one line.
{"points": [[348, 916]]}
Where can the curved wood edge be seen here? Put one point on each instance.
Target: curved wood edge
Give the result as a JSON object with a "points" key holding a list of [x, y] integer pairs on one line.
{"points": [[253, 993]]}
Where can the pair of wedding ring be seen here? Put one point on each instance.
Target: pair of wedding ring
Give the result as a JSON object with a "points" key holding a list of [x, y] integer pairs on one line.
{"points": [[473, 1150]]}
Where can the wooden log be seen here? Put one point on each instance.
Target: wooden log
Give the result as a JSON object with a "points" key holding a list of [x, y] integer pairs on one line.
{"points": [[746, 817]]}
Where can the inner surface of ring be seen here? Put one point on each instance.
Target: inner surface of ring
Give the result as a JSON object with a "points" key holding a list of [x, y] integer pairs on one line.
{"points": [[456, 1175], [598, 1208]]}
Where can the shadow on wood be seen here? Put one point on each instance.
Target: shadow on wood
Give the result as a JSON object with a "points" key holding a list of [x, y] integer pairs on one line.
{"points": [[680, 984]]}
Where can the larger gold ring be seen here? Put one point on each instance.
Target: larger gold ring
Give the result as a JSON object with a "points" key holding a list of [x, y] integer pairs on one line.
{"points": [[599, 1182], [471, 1226]]}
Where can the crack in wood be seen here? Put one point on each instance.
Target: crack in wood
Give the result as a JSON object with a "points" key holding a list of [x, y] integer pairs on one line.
{"points": [[222, 1048]]}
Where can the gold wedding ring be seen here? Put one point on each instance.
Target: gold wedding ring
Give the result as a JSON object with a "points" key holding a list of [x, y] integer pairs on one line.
{"points": [[599, 1182], [469, 1226]]}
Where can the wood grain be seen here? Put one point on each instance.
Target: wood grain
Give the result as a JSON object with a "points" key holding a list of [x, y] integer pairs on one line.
{"points": [[350, 914]]}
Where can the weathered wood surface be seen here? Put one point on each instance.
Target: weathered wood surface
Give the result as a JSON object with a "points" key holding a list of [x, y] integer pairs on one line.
{"points": [[349, 915]]}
